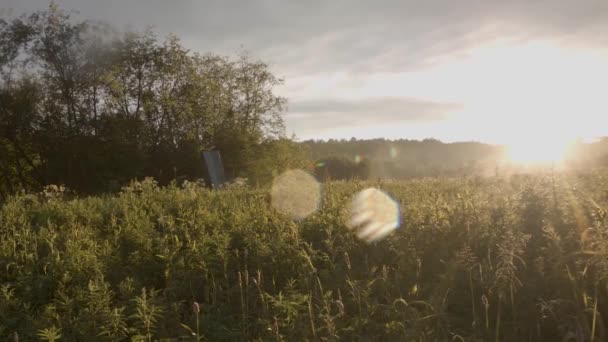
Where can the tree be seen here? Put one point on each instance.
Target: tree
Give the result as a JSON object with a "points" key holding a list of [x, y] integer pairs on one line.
{"points": [[91, 110]]}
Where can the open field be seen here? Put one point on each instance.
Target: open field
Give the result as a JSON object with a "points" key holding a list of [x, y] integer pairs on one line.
{"points": [[511, 259]]}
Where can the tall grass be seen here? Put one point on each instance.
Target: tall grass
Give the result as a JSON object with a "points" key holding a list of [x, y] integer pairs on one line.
{"points": [[506, 259]]}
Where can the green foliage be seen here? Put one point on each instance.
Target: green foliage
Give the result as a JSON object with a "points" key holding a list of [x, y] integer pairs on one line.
{"points": [[147, 314], [519, 258], [92, 110], [51, 334]]}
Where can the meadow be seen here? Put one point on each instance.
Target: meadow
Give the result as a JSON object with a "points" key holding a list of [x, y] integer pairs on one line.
{"points": [[518, 258]]}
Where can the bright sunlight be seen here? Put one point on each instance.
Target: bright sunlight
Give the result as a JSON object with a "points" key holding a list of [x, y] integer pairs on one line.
{"points": [[494, 92], [539, 151], [540, 96]]}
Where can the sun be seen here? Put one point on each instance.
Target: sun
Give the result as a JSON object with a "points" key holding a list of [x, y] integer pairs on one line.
{"points": [[538, 152]]}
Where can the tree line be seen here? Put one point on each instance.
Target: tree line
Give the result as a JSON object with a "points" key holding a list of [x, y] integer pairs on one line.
{"points": [[405, 159]]}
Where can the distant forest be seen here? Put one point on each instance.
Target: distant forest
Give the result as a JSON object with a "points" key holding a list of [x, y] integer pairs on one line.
{"points": [[403, 159]]}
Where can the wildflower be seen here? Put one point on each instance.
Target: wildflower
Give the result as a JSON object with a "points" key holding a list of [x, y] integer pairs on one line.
{"points": [[196, 308]]}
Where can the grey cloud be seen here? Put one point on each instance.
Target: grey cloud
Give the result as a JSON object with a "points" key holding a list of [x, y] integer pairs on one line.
{"points": [[353, 35], [324, 113]]}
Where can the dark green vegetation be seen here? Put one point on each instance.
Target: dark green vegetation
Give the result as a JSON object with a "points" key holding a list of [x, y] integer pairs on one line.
{"points": [[341, 168], [523, 258], [406, 159], [90, 108]]}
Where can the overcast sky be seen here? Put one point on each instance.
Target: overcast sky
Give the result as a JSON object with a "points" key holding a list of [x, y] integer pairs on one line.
{"points": [[490, 70]]}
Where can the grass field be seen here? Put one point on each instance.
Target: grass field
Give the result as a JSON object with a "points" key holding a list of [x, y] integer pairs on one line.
{"points": [[523, 258]]}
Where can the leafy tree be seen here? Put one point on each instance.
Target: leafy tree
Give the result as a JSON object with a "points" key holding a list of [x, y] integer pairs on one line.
{"points": [[92, 109]]}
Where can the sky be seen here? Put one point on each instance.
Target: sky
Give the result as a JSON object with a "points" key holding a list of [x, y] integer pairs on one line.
{"points": [[493, 71]]}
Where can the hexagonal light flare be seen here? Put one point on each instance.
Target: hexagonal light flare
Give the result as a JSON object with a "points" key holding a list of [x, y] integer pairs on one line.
{"points": [[374, 214]]}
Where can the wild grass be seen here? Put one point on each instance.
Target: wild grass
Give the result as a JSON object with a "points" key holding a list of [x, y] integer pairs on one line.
{"points": [[523, 258]]}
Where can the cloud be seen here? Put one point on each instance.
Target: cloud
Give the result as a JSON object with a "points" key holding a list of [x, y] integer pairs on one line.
{"points": [[356, 35], [320, 114], [329, 49]]}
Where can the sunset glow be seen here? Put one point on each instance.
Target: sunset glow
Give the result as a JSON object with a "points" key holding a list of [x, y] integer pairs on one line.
{"points": [[537, 151], [491, 92]]}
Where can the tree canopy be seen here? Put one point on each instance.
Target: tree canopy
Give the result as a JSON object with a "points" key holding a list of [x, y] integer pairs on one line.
{"points": [[90, 108]]}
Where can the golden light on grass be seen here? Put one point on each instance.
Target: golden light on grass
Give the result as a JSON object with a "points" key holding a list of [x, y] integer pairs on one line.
{"points": [[296, 193]]}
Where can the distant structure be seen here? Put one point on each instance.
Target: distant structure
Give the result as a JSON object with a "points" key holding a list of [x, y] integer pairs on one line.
{"points": [[215, 168]]}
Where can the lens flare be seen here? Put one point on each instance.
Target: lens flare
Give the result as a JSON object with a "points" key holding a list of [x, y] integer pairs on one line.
{"points": [[374, 214], [296, 193]]}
